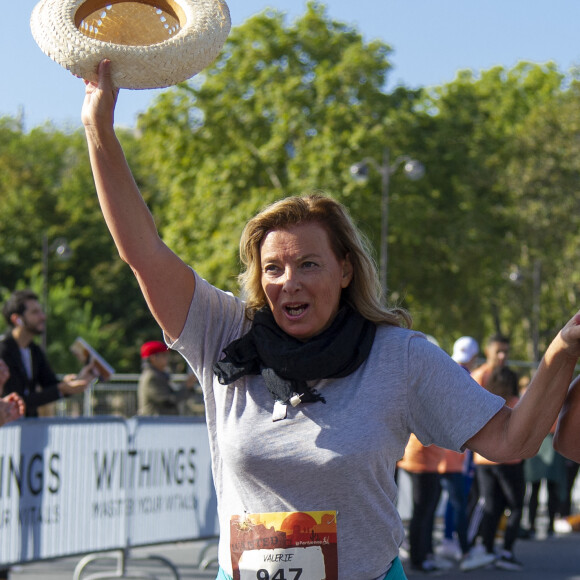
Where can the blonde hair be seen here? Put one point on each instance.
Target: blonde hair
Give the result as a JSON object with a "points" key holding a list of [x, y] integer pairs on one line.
{"points": [[364, 291]]}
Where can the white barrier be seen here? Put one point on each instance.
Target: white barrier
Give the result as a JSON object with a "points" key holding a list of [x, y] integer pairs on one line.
{"points": [[77, 486]]}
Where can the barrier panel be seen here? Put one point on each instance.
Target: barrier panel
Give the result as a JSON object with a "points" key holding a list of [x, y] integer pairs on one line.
{"points": [[173, 496], [81, 486], [78, 486]]}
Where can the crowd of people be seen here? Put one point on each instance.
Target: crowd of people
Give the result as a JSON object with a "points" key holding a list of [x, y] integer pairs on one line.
{"points": [[28, 383], [485, 500]]}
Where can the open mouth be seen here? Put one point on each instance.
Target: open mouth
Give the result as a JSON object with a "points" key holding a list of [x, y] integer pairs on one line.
{"points": [[296, 309]]}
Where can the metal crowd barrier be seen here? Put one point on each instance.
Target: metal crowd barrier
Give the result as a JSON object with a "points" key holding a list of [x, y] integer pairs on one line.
{"points": [[89, 486], [118, 397]]}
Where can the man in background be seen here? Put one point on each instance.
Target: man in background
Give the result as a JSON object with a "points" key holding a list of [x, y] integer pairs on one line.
{"points": [[496, 353], [31, 375]]}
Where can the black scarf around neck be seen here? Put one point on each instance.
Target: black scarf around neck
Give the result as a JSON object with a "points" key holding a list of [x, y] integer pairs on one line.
{"points": [[286, 363]]}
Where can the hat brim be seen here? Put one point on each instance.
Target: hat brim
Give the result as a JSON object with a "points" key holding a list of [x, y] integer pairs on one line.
{"points": [[204, 28]]}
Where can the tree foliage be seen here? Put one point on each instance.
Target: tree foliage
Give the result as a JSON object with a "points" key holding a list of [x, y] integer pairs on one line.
{"points": [[286, 110], [47, 191], [487, 240]]}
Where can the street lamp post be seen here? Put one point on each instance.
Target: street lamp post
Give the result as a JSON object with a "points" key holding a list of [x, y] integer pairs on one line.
{"points": [[517, 276], [413, 170], [62, 251]]}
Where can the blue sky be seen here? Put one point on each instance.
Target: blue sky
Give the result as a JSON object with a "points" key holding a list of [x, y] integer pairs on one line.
{"points": [[431, 40]]}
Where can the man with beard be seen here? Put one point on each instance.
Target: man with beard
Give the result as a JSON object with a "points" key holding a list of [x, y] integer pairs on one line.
{"points": [[31, 376]]}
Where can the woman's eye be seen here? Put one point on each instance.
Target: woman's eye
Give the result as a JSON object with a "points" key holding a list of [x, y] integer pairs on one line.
{"points": [[270, 268], [309, 265]]}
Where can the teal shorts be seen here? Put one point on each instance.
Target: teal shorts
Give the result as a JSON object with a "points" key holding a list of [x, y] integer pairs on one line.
{"points": [[395, 573], [223, 576]]}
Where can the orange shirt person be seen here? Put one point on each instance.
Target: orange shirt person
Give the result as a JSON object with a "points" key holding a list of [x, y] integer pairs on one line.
{"points": [[496, 353]]}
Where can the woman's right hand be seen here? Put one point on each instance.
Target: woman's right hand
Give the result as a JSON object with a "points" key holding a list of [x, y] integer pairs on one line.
{"points": [[100, 99]]}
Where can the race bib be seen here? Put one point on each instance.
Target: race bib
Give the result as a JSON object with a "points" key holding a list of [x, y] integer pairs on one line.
{"points": [[284, 546]]}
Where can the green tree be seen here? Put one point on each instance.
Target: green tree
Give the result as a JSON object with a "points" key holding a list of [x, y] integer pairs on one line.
{"points": [[287, 109], [468, 216], [542, 176], [47, 191]]}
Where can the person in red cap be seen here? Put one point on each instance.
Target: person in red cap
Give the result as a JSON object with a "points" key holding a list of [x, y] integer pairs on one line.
{"points": [[153, 347], [155, 394]]}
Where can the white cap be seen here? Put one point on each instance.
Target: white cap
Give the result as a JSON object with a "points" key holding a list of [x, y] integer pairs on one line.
{"points": [[464, 349]]}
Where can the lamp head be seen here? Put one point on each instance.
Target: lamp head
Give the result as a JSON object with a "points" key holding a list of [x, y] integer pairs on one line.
{"points": [[414, 169], [359, 171]]}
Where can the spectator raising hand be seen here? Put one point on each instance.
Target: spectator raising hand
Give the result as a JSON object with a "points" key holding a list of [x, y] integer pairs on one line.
{"points": [[11, 406]]}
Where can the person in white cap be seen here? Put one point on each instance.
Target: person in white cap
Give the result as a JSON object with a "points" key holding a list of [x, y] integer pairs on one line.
{"points": [[465, 351], [457, 474]]}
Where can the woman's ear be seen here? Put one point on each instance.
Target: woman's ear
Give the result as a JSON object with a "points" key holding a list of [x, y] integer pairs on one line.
{"points": [[347, 271]]}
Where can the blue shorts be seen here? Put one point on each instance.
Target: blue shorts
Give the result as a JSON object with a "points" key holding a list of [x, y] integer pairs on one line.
{"points": [[395, 573]]}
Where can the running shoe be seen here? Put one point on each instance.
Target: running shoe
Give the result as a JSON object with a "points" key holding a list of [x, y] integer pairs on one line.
{"points": [[507, 561], [475, 560]]}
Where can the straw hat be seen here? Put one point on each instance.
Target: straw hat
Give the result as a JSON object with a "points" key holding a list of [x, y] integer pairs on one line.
{"points": [[151, 43]]}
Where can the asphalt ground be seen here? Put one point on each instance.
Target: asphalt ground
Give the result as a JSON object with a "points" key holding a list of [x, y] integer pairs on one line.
{"points": [[554, 558]]}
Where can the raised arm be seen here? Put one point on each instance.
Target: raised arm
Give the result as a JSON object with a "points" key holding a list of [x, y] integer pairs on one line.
{"points": [[166, 281], [518, 432], [567, 436]]}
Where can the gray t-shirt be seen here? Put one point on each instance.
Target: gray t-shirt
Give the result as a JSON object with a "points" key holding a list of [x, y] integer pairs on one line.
{"points": [[339, 456]]}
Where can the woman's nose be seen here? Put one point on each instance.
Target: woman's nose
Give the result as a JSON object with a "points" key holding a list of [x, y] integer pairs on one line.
{"points": [[291, 280]]}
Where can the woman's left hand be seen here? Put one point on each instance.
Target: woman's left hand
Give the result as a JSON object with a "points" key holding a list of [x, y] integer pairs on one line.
{"points": [[570, 335], [100, 100]]}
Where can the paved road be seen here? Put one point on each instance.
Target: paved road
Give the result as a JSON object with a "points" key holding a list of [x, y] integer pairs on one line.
{"points": [[152, 562], [557, 558]]}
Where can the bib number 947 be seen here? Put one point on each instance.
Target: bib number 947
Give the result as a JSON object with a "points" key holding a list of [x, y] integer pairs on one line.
{"points": [[283, 564], [281, 574]]}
